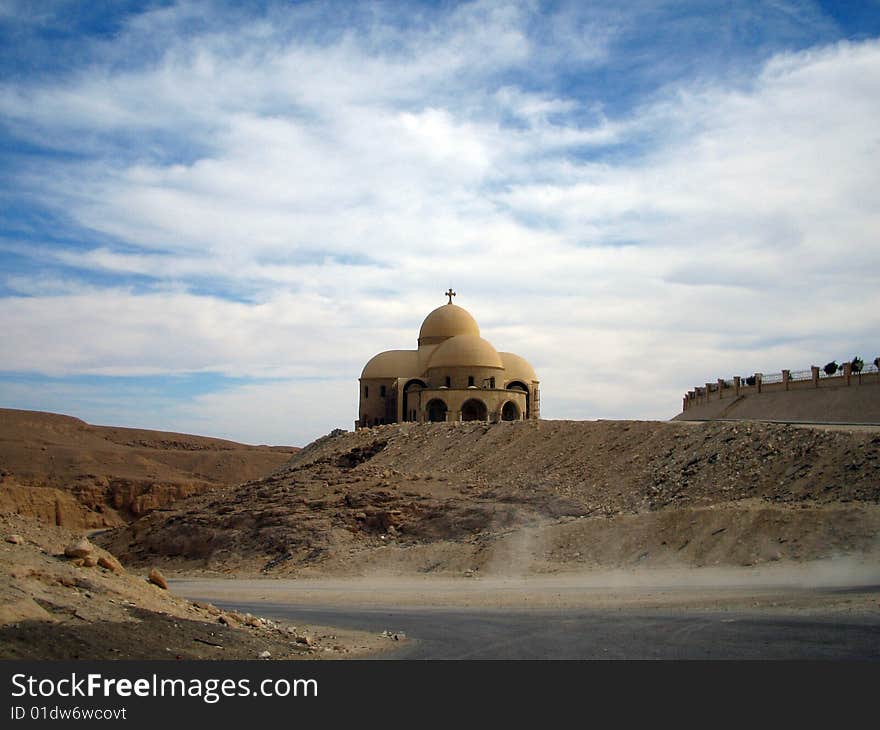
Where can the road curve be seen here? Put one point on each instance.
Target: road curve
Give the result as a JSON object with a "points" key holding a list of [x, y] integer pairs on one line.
{"points": [[597, 634]]}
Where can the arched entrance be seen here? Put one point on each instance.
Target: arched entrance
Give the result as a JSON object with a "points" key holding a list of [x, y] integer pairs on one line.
{"points": [[510, 412], [474, 410], [518, 385], [414, 384], [436, 410]]}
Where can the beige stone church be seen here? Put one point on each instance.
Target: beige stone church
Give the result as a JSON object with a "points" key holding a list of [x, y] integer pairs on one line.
{"points": [[454, 375]]}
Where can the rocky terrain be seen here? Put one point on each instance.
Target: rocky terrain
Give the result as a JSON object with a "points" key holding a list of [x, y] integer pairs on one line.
{"points": [[528, 498], [63, 598], [63, 471]]}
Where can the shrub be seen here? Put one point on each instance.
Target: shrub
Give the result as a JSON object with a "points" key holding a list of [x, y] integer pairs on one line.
{"points": [[857, 364], [751, 380], [831, 367], [877, 362]]}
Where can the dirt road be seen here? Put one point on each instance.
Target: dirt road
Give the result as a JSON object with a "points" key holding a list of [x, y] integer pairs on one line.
{"points": [[606, 634], [800, 614]]}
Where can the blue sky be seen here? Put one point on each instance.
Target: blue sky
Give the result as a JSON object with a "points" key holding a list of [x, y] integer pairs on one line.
{"points": [[212, 214]]}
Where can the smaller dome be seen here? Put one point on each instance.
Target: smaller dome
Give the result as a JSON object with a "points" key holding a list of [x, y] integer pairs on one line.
{"points": [[392, 364], [517, 368], [465, 351], [447, 321]]}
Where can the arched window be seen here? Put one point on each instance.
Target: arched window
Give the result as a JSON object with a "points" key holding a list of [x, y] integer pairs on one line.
{"points": [[474, 410], [436, 410], [519, 385], [411, 385]]}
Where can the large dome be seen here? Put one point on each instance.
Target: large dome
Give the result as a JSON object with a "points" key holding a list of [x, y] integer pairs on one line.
{"points": [[392, 364], [465, 351], [447, 321], [518, 368]]}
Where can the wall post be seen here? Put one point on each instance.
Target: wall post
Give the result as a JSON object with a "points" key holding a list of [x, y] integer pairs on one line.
{"points": [[847, 371], [758, 378], [786, 375], [814, 369], [708, 385], [736, 384], [720, 388]]}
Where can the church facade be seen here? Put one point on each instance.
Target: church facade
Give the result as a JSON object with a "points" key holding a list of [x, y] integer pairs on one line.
{"points": [[454, 375]]}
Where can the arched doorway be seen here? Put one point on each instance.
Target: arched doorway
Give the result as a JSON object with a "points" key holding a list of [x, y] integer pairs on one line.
{"points": [[474, 410], [436, 410], [510, 411], [414, 384], [518, 385]]}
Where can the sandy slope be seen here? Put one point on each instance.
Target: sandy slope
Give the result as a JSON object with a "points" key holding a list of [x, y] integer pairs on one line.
{"points": [[65, 471], [517, 499], [53, 607]]}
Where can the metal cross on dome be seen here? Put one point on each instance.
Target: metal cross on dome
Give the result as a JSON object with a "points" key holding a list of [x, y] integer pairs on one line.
{"points": [[450, 294]]}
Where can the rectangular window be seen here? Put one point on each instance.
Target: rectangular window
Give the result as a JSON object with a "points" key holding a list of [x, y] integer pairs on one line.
{"points": [[470, 380], [448, 382], [492, 383], [366, 391], [381, 391]]}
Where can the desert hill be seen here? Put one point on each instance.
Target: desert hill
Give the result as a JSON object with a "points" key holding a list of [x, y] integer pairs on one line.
{"points": [[59, 606], [531, 497], [64, 471]]}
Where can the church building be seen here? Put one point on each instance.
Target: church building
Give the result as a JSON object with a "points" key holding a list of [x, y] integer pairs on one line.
{"points": [[454, 375]]}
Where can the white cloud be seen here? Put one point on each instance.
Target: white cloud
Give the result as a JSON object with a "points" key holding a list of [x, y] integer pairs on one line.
{"points": [[344, 184]]}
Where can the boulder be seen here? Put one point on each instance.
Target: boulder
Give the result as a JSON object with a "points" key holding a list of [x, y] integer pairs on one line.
{"points": [[15, 539], [157, 579], [111, 564], [89, 561], [79, 548]]}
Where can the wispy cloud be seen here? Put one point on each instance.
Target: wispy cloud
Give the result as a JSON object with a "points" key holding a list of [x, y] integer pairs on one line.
{"points": [[281, 195]]}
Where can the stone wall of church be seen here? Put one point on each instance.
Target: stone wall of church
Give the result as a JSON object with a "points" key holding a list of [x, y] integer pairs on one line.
{"points": [[378, 401], [456, 402], [463, 377]]}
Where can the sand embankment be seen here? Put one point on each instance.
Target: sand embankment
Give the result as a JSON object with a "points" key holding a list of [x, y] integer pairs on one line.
{"points": [[521, 499]]}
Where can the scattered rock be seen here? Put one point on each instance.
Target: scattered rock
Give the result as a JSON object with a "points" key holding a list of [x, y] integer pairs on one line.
{"points": [[265, 655], [111, 564], [15, 539], [157, 579], [89, 561], [79, 548]]}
